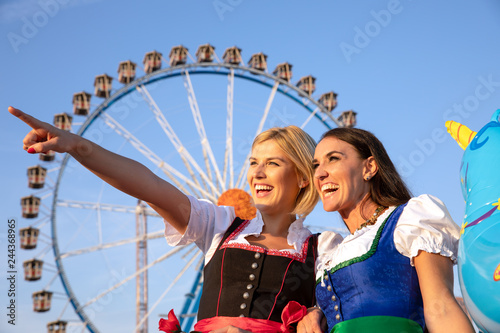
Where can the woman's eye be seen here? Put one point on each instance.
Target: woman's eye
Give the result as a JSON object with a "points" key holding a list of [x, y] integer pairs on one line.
{"points": [[315, 166], [333, 158], [273, 163], [253, 163]]}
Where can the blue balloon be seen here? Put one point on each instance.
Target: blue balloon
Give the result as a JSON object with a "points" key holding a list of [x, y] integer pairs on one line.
{"points": [[479, 246]]}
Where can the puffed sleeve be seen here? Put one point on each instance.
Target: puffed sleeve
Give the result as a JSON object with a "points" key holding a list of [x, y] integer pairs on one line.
{"points": [[328, 243], [425, 224], [207, 222]]}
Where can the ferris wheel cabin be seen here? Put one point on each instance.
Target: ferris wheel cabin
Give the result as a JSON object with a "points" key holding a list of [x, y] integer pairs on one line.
{"points": [[348, 118], [307, 84], [41, 301], [126, 71], [63, 121], [30, 206], [36, 176], [178, 55], [29, 237], [152, 61], [232, 55], [205, 53], [102, 85], [258, 61], [283, 71], [328, 100], [48, 156], [32, 269], [58, 326], [81, 103]]}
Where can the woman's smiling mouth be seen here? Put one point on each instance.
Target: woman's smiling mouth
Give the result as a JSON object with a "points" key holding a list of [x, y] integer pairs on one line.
{"points": [[261, 190], [329, 189]]}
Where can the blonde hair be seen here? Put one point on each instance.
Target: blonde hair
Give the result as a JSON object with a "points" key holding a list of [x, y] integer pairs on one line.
{"points": [[299, 148]]}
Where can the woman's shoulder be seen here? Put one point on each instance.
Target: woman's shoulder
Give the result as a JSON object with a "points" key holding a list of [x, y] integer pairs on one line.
{"points": [[426, 208], [426, 225], [426, 200], [329, 240]]}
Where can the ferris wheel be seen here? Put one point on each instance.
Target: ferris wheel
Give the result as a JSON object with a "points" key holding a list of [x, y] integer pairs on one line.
{"points": [[192, 123]]}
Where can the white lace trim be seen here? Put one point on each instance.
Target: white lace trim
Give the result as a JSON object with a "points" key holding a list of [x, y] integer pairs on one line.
{"points": [[297, 233]]}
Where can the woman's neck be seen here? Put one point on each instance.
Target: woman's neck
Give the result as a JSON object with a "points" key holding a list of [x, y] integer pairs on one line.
{"points": [[277, 225], [358, 215], [274, 233]]}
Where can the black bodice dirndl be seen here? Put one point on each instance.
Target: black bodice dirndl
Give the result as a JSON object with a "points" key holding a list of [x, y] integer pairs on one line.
{"points": [[250, 281]]}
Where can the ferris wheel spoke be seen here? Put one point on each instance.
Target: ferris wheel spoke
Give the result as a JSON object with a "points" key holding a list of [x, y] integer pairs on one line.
{"points": [[241, 178], [130, 277], [151, 235], [49, 194], [57, 168], [43, 238], [104, 207], [228, 154], [193, 104], [181, 273], [51, 281], [311, 115], [44, 251], [207, 150], [191, 57], [99, 224], [174, 139], [82, 229], [41, 222], [168, 169], [46, 191], [64, 309]]}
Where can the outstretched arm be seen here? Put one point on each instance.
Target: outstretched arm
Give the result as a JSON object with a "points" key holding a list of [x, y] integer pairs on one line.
{"points": [[120, 172], [441, 310]]}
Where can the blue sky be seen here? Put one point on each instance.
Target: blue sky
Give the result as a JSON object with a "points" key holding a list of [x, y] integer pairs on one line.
{"points": [[404, 66]]}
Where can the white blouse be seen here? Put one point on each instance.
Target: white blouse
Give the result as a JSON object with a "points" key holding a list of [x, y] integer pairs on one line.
{"points": [[208, 223], [425, 224]]}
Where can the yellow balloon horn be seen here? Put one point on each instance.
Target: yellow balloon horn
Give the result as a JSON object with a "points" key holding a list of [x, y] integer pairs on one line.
{"points": [[461, 133]]}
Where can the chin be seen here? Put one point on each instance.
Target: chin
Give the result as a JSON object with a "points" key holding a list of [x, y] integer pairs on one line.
{"points": [[261, 207], [328, 207]]}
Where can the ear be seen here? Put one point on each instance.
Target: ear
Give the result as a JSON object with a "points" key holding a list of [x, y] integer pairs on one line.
{"points": [[302, 181], [370, 168]]}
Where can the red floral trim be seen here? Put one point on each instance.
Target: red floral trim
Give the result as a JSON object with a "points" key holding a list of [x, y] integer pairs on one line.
{"points": [[302, 256]]}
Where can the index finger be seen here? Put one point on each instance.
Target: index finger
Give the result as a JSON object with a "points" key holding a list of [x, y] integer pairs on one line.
{"points": [[29, 120]]}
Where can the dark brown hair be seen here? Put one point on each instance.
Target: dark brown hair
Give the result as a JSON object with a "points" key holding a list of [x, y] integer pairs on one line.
{"points": [[386, 186]]}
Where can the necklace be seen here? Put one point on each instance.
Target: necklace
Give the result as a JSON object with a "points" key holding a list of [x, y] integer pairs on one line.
{"points": [[373, 219]]}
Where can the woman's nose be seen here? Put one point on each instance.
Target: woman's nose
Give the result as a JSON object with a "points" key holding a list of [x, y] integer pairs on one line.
{"points": [[258, 171], [320, 173]]}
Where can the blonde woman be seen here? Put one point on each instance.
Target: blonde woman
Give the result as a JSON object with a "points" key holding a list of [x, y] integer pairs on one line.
{"points": [[254, 269]]}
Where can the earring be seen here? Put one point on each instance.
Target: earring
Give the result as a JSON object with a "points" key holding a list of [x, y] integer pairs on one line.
{"points": [[367, 178]]}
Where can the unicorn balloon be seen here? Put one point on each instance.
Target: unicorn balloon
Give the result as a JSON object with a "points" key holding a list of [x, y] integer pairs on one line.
{"points": [[479, 247]]}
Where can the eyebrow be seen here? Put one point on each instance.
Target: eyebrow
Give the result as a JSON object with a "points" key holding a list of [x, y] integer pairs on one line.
{"points": [[268, 158], [329, 154]]}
